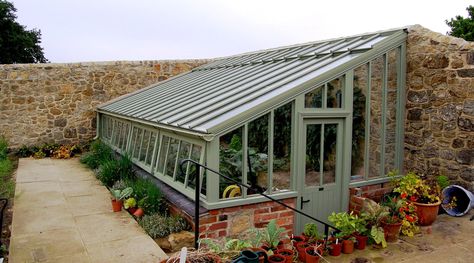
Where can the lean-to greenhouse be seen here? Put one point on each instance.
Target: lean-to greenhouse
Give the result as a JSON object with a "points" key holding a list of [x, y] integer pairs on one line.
{"points": [[301, 123]]}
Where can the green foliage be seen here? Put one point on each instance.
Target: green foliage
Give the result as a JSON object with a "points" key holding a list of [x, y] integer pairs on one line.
{"points": [[157, 226], [272, 234], [148, 193], [358, 129], [129, 203], [462, 27], [108, 172], [3, 148], [347, 223], [98, 153], [311, 231], [231, 244], [17, 44], [25, 151], [39, 155], [7, 184], [443, 181], [235, 143], [377, 234], [412, 186], [122, 194], [119, 185]]}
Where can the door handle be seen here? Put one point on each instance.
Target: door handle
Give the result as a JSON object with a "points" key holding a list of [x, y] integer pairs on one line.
{"points": [[302, 202]]}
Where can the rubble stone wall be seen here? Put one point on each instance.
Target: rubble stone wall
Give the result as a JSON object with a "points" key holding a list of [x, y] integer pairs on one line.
{"points": [[55, 103], [439, 124]]}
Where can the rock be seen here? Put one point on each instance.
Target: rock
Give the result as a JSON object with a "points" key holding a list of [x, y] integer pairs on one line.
{"points": [[448, 113], [414, 140], [60, 122], [466, 73], [458, 143], [415, 114], [70, 133], [239, 223], [468, 174], [181, 239], [436, 61], [417, 96], [466, 124], [465, 156], [470, 58], [468, 107]]}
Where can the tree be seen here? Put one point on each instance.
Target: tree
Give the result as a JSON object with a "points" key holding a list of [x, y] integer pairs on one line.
{"points": [[17, 44], [463, 27]]}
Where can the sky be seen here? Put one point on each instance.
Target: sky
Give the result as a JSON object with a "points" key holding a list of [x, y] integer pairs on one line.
{"points": [[107, 30]]}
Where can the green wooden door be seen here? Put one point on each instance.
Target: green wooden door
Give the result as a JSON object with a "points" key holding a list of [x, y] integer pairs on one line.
{"points": [[320, 178]]}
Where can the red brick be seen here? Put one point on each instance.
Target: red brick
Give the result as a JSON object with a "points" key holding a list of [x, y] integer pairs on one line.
{"points": [[211, 235], [357, 200], [222, 233], [202, 229], [208, 220], [278, 208], [265, 217], [214, 212], [231, 209], [216, 226], [288, 213], [261, 211]]}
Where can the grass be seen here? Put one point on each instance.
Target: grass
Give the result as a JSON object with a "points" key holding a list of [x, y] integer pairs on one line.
{"points": [[7, 185], [150, 195]]}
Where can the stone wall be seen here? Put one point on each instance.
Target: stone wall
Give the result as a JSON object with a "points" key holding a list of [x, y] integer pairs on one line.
{"points": [[55, 102], [439, 128]]}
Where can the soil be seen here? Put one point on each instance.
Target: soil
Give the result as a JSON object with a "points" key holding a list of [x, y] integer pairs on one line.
{"points": [[8, 215]]}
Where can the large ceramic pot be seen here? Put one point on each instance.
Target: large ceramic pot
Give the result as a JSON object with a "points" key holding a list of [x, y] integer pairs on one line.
{"points": [[426, 213], [391, 231]]}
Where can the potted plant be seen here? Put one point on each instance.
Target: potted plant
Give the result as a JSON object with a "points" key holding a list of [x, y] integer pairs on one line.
{"points": [[130, 205], [335, 245], [400, 212], [286, 253], [346, 223], [140, 210], [276, 258], [313, 254], [272, 236], [118, 196], [423, 193]]}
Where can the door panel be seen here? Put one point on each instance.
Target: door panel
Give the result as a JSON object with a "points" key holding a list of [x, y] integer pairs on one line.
{"points": [[322, 162]]}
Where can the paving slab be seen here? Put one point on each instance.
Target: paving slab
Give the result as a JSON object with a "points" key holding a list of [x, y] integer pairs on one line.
{"points": [[62, 213]]}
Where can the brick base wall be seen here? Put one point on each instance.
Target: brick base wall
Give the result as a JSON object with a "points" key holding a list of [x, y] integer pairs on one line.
{"points": [[233, 221], [374, 192]]}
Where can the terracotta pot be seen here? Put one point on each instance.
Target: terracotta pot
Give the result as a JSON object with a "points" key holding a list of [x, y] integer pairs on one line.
{"points": [[260, 251], [132, 210], [312, 256], [391, 231], [335, 249], [300, 247], [361, 242], [297, 239], [287, 253], [426, 213], [139, 212], [117, 205], [347, 246], [276, 258]]}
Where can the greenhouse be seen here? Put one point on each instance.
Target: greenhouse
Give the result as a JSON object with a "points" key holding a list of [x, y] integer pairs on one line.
{"points": [[304, 122]]}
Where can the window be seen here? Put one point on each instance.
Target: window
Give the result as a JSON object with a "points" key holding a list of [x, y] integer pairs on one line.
{"points": [[329, 95], [262, 148], [142, 145], [359, 120]]}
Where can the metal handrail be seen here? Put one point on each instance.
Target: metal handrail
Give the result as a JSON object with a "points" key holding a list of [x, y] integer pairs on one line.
{"points": [[197, 198], [5, 200]]}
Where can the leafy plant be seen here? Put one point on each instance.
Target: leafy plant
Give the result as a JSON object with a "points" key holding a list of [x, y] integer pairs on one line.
{"points": [[148, 193], [373, 213], [119, 185], [108, 172], [230, 244], [462, 27], [443, 181], [311, 231], [122, 194], [378, 235], [272, 234], [400, 210], [25, 151], [39, 155], [416, 189], [157, 226], [3, 148], [130, 203], [98, 154], [345, 222]]}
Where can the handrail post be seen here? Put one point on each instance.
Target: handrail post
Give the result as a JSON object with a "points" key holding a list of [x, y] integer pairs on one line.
{"points": [[196, 206], [5, 200]]}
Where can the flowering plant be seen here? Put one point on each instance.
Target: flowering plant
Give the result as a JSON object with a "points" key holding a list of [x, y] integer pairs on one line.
{"points": [[400, 210], [414, 188]]}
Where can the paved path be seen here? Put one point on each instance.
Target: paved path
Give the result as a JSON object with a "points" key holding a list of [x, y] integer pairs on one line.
{"points": [[63, 214]]}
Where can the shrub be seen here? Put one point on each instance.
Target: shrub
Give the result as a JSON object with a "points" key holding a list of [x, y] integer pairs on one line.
{"points": [[108, 172], [157, 226], [3, 148], [148, 194], [7, 185], [24, 151], [99, 153]]}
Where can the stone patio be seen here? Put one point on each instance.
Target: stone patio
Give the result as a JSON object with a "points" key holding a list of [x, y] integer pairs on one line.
{"points": [[63, 214]]}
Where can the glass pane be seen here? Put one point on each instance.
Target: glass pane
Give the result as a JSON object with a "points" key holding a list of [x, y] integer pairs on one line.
{"points": [[391, 111], [133, 141], [282, 148], [314, 98], [334, 93], [109, 127], [313, 153], [144, 145], [358, 122], [195, 156], [184, 150], [330, 153], [126, 131], [230, 162], [136, 149], [375, 147], [257, 151], [151, 146], [157, 148], [117, 129], [163, 152], [172, 155]]}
